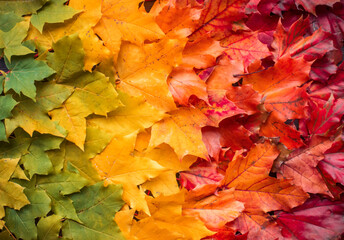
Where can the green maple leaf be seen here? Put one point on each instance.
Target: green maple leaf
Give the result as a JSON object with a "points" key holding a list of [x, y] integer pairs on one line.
{"points": [[29, 116], [68, 58], [16, 147], [11, 41], [53, 12], [49, 227], [59, 185], [24, 71], [11, 193], [70, 157], [7, 103], [3, 137], [93, 93], [22, 222], [8, 21], [64, 183], [21, 7], [51, 95], [96, 207], [36, 161]]}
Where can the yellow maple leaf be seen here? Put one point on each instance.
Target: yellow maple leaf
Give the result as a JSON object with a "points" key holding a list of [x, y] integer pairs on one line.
{"points": [[117, 165], [182, 131], [143, 71], [123, 20], [166, 221]]}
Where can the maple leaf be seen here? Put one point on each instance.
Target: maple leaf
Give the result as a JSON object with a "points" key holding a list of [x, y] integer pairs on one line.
{"points": [[8, 21], [68, 65], [96, 206], [244, 97], [214, 210], [202, 53], [143, 71], [7, 103], [52, 12], [217, 17], [333, 86], [136, 114], [200, 173], [36, 161], [289, 136], [29, 116], [24, 71], [245, 47], [310, 5], [279, 77], [49, 227], [166, 183], [11, 41], [310, 221], [22, 222], [327, 117], [183, 83], [176, 19], [300, 166], [333, 165], [50, 95], [182, 131], [166, 221], [103, 99], [122, 20], [22, 9], [12, 193], [289, 103], [115, 169], [257, 225], [254, 187], [70, 157], [230, 133]]}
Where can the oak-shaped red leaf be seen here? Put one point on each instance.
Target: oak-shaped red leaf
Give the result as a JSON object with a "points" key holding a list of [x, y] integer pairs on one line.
{"points": [[201, 173], [257, 225], [245, 47], [274, 127], [184, 82], [217, 17], [316, 219], [301, 166], [325, 119], [255, 188], [215, 210]]}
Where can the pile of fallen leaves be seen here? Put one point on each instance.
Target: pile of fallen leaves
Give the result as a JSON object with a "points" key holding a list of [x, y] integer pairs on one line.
{"points": [[173, 119]]}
